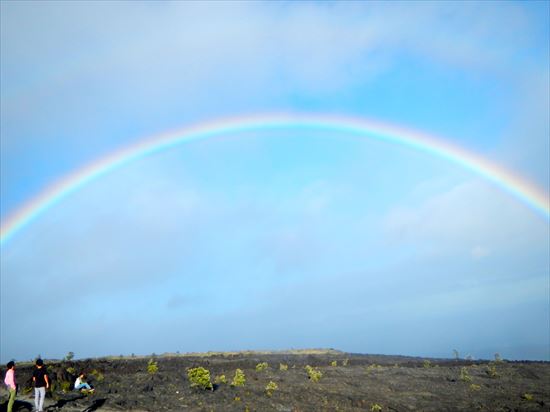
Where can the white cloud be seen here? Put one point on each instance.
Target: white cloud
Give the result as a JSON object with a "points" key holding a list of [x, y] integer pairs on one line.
{"points": [[472, 218], [479, 252]]}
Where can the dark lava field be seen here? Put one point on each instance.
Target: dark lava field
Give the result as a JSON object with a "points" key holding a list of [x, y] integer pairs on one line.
{"points": [[280, 381]]}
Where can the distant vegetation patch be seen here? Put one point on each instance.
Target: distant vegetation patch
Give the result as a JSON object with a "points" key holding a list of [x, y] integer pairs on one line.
{"points": [[239, 378], [492, 371], [314, 374], [283, 367], [97, 375], [220, 379], [152, 367], [261, 366], [465, 375], [270, 388]]}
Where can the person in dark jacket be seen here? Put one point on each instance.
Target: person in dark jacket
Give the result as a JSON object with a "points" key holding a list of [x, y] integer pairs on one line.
{"points": [[41, 383]]}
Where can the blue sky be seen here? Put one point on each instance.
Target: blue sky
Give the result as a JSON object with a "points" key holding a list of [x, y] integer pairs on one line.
{"points": [[272, 239]]}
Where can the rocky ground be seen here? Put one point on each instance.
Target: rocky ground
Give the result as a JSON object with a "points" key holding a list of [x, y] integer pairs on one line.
{"points": [[349, 382]]}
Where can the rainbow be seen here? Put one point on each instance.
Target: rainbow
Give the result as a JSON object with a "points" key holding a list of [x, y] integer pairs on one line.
{"points": [[511, 182]]}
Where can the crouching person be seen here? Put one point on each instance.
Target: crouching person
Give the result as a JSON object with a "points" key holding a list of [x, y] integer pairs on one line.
{"points": [[81, 384]]}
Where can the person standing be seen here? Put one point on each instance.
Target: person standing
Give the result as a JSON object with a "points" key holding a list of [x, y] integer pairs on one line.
{"points": [[9, 380], [41, 383]]}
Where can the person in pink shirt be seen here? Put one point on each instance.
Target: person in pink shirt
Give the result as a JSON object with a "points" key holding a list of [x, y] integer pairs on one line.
{"points": [[9, 380]]}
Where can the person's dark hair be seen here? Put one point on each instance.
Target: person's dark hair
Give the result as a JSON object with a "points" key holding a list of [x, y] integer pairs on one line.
{"points": [[10, 364], [39, 362]]}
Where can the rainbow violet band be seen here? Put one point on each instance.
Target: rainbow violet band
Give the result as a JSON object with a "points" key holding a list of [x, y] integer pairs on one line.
{"points": [[524, 190]]}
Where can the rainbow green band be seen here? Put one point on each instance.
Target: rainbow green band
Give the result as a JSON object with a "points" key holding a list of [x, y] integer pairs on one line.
{"points": [[522, 189]]}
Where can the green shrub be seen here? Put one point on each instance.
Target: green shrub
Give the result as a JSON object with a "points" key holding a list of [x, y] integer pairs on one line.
{"points": [[69, 356], [345, 362], [283, 367], [239, 378], [334, 363], [270, 388], [475, 387], [498, 358], [492, 371], [375, 407], [199, 377], [71, 370], [261, 366], [464, 375], [97, 375], [427, 364], [65, 386], [152, 367], [527, 396], [220, 379], [313, 374]]}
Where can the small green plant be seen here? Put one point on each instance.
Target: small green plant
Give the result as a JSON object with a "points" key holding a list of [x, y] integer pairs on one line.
{"points": [[71, 370], [427, 364], [527, 396], [237, 398], [97, 375], [283, 367], [27, 390], [475, 387], [492, 371], [334, 363], [239, 378], [220, 379], [314, 374], [345, 362], [464, 375], [261, 366], [375, 407], [152, 367], [65, 386], [69, 356], [270, 388], [200, 377]]}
